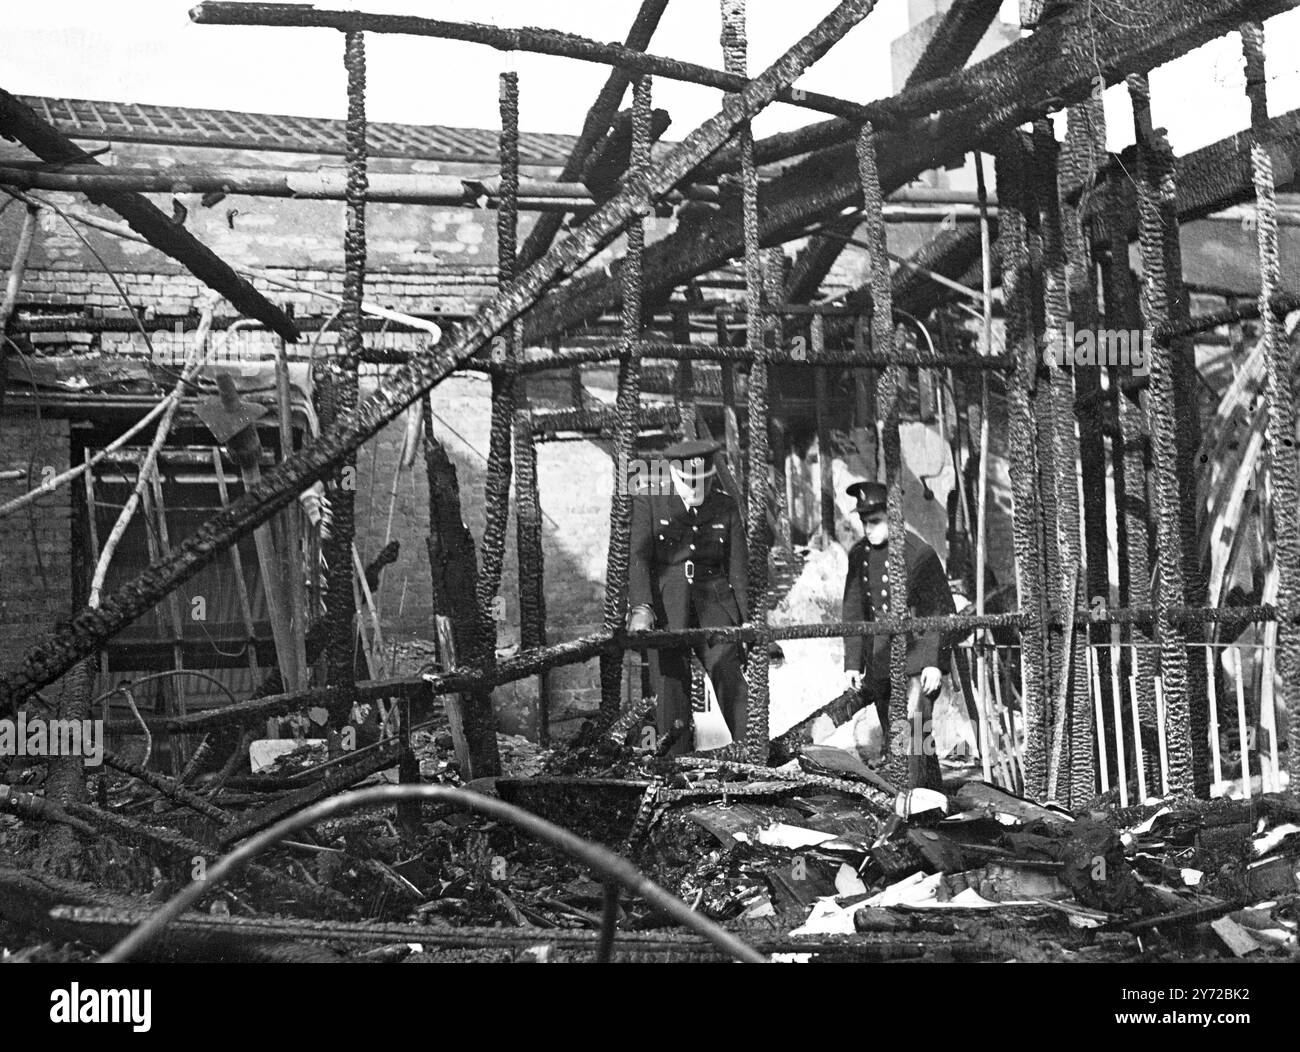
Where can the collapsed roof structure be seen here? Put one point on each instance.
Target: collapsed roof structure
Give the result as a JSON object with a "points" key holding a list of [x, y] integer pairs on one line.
{"points": [[1066, 214]]}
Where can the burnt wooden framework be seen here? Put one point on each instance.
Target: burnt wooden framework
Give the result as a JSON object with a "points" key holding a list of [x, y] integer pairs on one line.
{"points": [[1065, 218]]}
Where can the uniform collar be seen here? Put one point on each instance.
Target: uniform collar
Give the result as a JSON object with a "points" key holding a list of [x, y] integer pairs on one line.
{"points": [[711, 500]]}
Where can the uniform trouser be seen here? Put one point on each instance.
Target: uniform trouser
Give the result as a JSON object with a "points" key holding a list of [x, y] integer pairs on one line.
{"points": [[914, 738], [670, 674]]}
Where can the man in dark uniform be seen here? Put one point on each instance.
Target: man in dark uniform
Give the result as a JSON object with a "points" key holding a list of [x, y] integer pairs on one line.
{"points": [[867, 591], [688, 570]]}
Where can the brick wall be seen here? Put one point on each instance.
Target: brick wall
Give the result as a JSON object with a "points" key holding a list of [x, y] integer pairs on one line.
{"points": [[575, 481], [35, 581]]}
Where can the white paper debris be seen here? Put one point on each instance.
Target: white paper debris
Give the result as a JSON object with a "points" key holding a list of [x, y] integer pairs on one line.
{"points": [[847, 881], [781, 834], [1149, 824], [1266, 843], [265, 751], [910, 891], [828, 918], [1234, 936], [917, 801]]}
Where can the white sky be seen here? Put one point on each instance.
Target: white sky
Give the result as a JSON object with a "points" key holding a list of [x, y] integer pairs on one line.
{"points": [[148, 51]]}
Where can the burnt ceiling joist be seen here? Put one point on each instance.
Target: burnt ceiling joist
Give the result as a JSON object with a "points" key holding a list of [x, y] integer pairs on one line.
{"points": [[1055, 67]]}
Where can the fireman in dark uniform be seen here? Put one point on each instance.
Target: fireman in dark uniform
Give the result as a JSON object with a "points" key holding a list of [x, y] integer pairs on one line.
{"points": [[688, 570], [867, 591]]}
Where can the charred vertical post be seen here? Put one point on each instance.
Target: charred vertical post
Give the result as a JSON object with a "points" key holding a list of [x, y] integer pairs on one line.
{"points": [[735, 50], [528, 545], [627, 404], [458, 617], [1281, 426], [1075, 752], [902, 740], [1085, 145], [506, 352], [1131, 456], [1158, 221], [1043, 451], [685, 374], [821, 412], [1026, 514], [340, 605]]}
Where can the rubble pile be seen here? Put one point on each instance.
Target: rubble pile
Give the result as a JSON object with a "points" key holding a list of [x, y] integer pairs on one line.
{"points": [[819, 858]]}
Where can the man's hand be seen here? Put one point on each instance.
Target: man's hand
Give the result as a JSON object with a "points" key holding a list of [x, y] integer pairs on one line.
{"points": [[931, 681], [640, 619], [852, 679]]}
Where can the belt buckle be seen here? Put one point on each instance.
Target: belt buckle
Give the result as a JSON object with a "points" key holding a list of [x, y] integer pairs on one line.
{"points": [[689, 568]]}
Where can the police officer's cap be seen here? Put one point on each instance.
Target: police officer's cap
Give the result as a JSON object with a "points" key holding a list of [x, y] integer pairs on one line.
{"points": [[691, 449], [871, 497]]}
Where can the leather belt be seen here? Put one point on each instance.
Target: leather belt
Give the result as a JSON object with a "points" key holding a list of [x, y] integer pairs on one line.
{"points": [[698, 575]]}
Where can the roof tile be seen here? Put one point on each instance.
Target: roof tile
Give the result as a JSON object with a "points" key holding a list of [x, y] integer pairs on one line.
{"points": [[230, 129]]}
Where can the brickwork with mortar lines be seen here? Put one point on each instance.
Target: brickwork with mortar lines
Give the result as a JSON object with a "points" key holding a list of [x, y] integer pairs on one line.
{"points": [[35, 577]]}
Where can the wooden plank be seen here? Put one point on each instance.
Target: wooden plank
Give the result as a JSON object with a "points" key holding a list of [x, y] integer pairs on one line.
{"points": [[241, 582], [454, 704], [975, 796], [155, 529], [92, 528]]}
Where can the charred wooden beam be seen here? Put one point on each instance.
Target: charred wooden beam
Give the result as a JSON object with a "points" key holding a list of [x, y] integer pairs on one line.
{"points": [[342, 375], [258, 710], [952, 45], [599, 117], [322, 185], [453, 563], [524, 38], [613, 153], [601, 421], [641, 133], [1208, 180], [1054, 67], [19, 121]]}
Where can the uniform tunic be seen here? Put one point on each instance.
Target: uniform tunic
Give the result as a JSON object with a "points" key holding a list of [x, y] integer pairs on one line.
{"points": [[867, 597], [689, 566]]}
